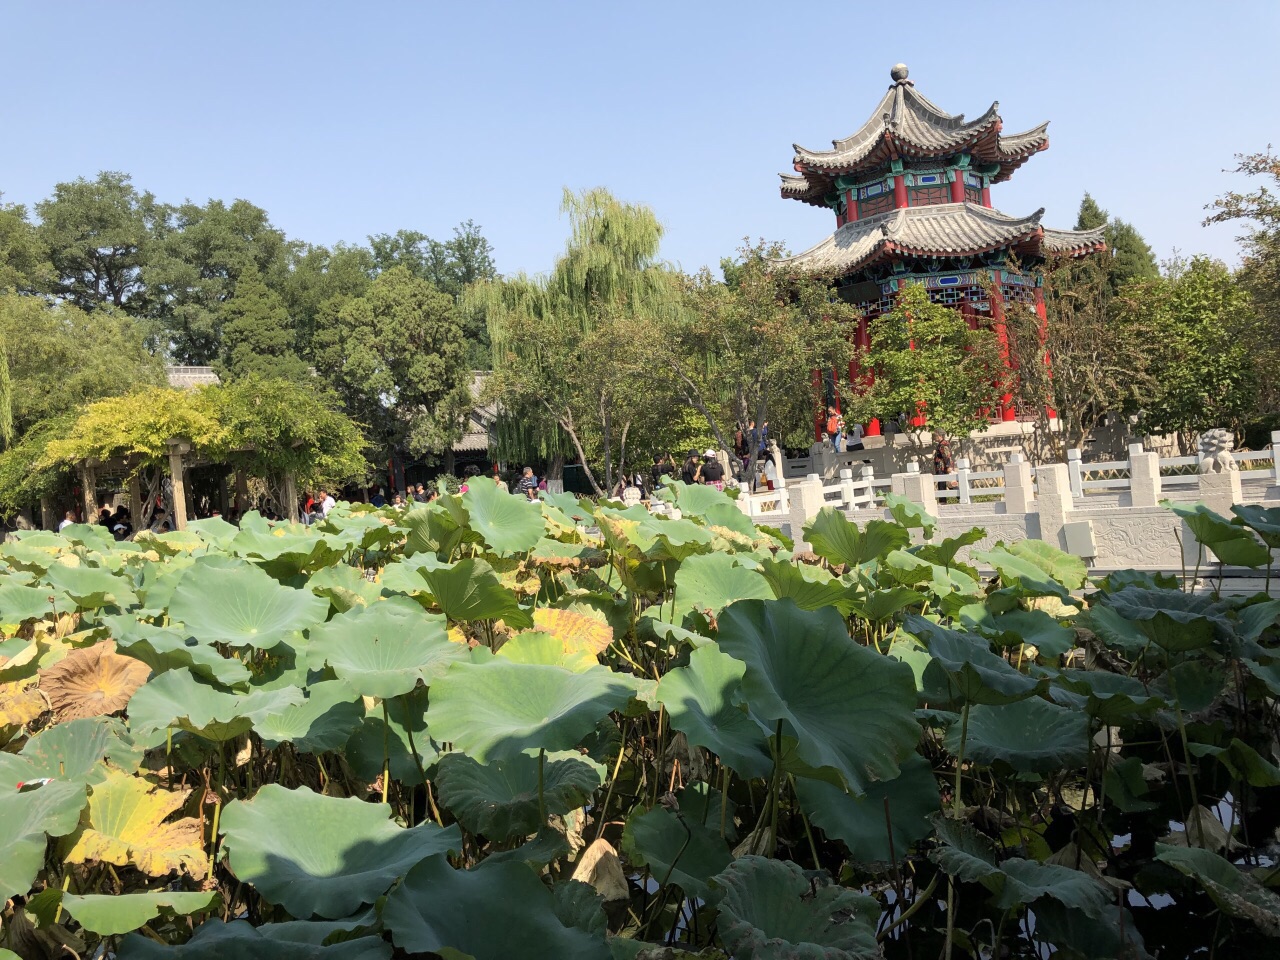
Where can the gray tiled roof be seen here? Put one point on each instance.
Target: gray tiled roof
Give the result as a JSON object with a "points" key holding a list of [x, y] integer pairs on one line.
{"points": [[906, 124], [479, 421], [944, 229]]}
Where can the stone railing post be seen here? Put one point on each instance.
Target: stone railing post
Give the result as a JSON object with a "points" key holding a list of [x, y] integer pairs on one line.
{"points": [[1019, 493], [1275, 457], [1055, 502], [1144, 477], [962, 480], [919, 488], [846, 487], [775, 454], [1219, 491], [1075, 473], [806, 500]]}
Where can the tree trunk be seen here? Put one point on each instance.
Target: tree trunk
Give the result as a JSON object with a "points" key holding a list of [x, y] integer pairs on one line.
{"points": [[555, 474], [397, 471], [608, 448]]}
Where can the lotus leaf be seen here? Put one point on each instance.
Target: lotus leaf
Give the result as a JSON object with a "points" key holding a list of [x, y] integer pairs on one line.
{"points": [[840, 540], [214, 530], [500, 799], [704, 702], [1234, 891], [710, 582], [1025, 575], [811, 588], [19, 603], [849, 708], [966, 668], [508, 524], [287, 550], [163, 649], [112, 915], [323, 856], [412, 749], [1229, 542], [25, 820], [1111, 698], [160, 579], [470, 590], [772, 911], [1264, 521], [214, 940], [881, 604], [20, 702], [434, 530], [383, 650], [126, 825], [90, 588], [677, 849], [450, 912], [910, 514], [859, 821], [534, 646], [178, 699], [92, 682], [964, 853], [1034, 627], [345, 586], [1030, 735], [80, 750], [499, 709], [324, 721], [577, 631], [944, 553], [1025, 881], [1175, 621], [243, 607], [546, 848]]}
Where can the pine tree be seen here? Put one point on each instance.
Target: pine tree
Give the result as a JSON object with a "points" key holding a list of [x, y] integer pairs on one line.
{"points": [[257, 333], [1131, 256]]}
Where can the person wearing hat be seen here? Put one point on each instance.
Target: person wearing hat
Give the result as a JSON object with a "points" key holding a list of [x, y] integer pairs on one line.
{"points": [[712, 471]]}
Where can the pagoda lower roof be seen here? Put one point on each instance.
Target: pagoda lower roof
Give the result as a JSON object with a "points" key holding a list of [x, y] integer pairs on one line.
{"points": [[940, 230]]}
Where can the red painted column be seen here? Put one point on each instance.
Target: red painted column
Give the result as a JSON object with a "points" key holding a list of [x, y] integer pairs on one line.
{"points": [[986, 196], [1044, 337], [957, 187], [900, 191], [850, 205], [866, 372], [1007, 411], [819, 420]]}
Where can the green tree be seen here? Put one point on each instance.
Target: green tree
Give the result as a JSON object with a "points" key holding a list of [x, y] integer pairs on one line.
{"points": [[24, 265], [257, 333], [1130, 256], [192, 272], [928, 362], [97, 234], [395, 357], [1202, 375], [318, 275]]}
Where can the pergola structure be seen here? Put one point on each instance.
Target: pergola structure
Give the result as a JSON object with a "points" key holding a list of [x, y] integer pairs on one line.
{"points": [[911, 193]]}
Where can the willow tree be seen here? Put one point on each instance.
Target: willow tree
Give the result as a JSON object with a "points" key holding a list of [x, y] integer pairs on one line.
{"points": [[563, 360]]}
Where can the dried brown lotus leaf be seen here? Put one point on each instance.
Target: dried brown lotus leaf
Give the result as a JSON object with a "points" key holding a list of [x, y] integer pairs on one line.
{"points": [[92, 682], [20, 702]]}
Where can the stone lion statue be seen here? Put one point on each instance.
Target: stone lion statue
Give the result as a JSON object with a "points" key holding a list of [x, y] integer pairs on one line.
{"points": [[1215, 451]]}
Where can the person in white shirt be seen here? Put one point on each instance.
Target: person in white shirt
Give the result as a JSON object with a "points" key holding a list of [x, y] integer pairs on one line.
{"points": [[327, 503], [70, 519]]}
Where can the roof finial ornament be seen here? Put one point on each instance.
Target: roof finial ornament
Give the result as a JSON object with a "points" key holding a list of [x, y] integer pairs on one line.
{"points": [[899, 72]]}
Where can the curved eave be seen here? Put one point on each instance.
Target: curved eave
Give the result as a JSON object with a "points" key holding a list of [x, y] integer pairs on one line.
{"points": [[804, 189], [1074, 243]]}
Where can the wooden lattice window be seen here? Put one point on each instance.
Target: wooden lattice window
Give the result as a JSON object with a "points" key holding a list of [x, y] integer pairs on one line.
{"points": [[874, 205], [924, 196]]}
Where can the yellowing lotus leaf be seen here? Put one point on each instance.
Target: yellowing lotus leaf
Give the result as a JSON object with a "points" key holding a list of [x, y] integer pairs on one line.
{"points": [[20, 702], [578, 632], [126, 825], [92, 682]]}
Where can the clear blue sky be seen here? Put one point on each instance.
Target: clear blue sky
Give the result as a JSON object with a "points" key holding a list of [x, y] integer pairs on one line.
{"points": [[344, 120]]}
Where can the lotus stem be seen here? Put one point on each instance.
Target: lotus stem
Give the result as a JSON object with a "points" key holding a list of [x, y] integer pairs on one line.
{"points": [[921, 899], [776, 790], [724, 797], [386, 751], [542, 801], [613, 779]]}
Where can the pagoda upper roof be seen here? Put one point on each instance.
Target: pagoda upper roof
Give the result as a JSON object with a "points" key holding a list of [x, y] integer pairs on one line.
{"points": [[906, 125], [940, 230]]}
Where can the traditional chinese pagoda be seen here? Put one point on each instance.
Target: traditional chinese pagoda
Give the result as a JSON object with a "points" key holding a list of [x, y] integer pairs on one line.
{"points": [[911, 193]]}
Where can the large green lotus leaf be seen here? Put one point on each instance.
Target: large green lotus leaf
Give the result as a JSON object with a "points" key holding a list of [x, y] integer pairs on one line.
{"points": [[1022, 574], [470, 590], [964, 853], [549, 846], [1175, 621], [1235, 892], [165, 648], [704, 702], [849, 708], [944, 553], [19, 603], [1230, 543], [771, 910], [910, 514], [108, 915], [25, 820], [243, 606], [214, 530], [577, 510], [1032, 736], [879, 605], [345, 586], [23, 556], [1111, 698], [859, 821], [1264, 521], [433, 529], [172, 543], [78, 750], [405, 578], [499, 709], [840, 540], [412, 750], [451, 912], [1256, 619], [639, 535], [1034, 627], [287, 550], [1065, 568], [177, 699], [508, 524], [365, 531], [323, 856], [215, 940], [1026, 881], [499, 799], [812, 588], [676, 850], [90, 588], [964, 667], [383, 650], [324, 721], [908, 569], [160, 578], [707, 583]]}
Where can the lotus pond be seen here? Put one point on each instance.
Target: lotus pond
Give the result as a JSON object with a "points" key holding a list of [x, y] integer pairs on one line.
{"points": [[490, 728]]}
